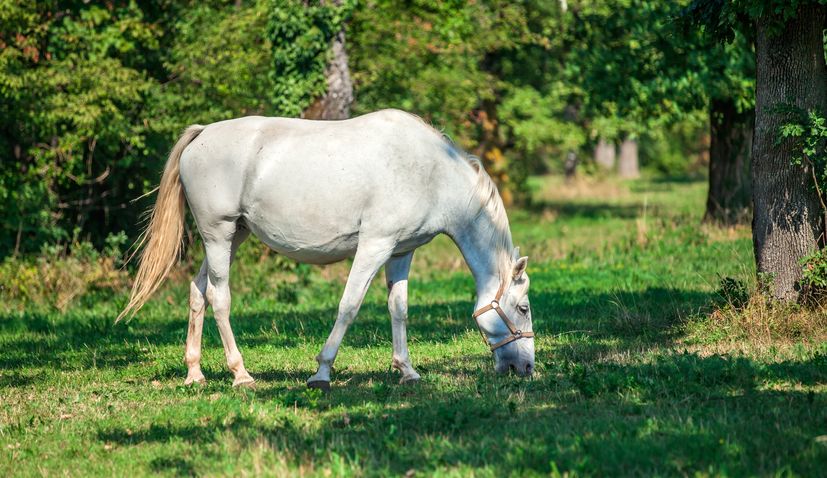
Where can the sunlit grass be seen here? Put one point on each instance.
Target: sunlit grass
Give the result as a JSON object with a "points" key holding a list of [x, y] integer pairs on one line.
{"points": [[635, 375]]}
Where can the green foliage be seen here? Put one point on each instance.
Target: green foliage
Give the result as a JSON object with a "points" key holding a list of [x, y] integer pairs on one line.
{"points": [[92, 98], [58, 280], [218, 67], [301, 34], [524, 113], [808, 130], [814, 276], [733, 292], [482, 71], [676, 149], [643, 74], [724, 20], [641, 65], [71, 121]]}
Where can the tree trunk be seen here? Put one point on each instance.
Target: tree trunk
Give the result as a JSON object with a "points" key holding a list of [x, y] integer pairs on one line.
{"points": [[335, 104], [570, 166], [730, 195], [628, 167], [605, 154], [787, 222]]}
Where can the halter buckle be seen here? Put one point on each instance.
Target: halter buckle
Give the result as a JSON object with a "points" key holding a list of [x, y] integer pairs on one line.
{"points": [[495, 303]]}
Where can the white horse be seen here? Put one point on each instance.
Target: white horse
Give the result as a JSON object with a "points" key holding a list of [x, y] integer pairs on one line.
{"points": [[374, 188]]}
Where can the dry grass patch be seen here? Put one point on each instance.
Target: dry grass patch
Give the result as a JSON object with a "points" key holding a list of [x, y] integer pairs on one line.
{"points": [[762, 323], [583, 187]]}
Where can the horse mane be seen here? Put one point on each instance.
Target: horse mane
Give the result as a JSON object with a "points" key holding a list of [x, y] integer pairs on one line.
{"points": [[488, 202]]}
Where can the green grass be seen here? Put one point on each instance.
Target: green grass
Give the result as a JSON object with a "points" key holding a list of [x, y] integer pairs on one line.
{"points": [[633, 376]]}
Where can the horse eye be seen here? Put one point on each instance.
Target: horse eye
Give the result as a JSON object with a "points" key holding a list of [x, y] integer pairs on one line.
{"points": [[523, 309]]}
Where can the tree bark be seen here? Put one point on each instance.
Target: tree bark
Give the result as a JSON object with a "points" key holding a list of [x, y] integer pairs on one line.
{"points": [[629, 167], [787, 222], [605, 154], [730, 193], [335, 104]]}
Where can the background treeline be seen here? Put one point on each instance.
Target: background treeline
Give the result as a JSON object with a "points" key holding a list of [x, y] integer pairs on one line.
{"points": [[92, 94]]}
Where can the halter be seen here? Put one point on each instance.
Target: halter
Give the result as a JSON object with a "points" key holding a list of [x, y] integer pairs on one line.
{"points": [[516, 333]]}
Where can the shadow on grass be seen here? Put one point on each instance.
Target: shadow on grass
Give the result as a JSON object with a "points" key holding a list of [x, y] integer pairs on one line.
{"points": [[179, 466], [631, 320], [596, 406], [570, 210], [678, 414]]}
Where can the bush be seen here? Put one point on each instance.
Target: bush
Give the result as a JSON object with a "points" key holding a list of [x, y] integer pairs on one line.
{"points": [[733, 292], [814, 276], [57, 278]]}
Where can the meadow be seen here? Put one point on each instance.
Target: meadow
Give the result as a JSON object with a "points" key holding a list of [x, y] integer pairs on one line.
{"points": [[645, 365]]}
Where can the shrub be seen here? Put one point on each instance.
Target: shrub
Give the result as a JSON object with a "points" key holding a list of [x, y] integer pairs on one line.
{"points": [[59, 276], [733, 292], [814, 276]]}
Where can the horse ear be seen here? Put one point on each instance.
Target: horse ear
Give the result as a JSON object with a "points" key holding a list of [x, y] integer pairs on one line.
{"points": [[519, 267]]}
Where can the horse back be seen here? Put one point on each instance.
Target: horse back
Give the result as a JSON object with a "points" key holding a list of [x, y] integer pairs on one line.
{"points": [[301, 183]]}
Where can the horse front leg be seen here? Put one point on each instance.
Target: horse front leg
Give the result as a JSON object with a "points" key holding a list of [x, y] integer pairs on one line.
{"points": [[370, 255], [396, 274]]}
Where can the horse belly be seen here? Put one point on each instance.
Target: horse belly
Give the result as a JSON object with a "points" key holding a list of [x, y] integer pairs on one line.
{"points": [[303, 231], [308, 242]]}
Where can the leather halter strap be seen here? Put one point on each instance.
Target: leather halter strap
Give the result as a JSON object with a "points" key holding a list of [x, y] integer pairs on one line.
{"points": [[516, 333]]}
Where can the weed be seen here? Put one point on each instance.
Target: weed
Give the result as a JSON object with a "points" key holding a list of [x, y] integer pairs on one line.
{"points": [[310, 398], [733, 292]]}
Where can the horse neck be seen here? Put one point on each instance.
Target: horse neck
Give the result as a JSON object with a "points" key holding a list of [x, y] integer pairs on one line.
{"points": [[478, 244]]}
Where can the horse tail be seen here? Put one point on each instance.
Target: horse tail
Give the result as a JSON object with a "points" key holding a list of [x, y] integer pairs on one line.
{"points": [[161, 240]]}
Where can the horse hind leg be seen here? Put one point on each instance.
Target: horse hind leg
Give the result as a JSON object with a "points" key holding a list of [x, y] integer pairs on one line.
{"points": [[396, 274], [220, 252], [192, 355]]}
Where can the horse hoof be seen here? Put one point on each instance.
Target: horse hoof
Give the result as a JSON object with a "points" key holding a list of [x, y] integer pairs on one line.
{"points": [[244, 382], [195, 380], [411, 380], [322, 385]]}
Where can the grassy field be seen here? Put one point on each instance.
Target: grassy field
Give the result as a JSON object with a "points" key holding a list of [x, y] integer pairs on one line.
{"points": [[635, 373]]}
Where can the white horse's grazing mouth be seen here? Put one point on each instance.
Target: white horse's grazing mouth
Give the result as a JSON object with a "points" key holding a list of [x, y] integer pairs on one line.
{"points": [[374, 188]]}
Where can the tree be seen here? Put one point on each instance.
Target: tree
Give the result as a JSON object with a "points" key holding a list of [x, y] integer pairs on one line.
{"points": [[728, 76], [634, 69], [605, 154], [788, 223], [92, 94], [788, 220], [642, 69], [338, 96], [488, 72], [729, 79], [72, 90], [729, 197], [629, 166], [216, 66], [310, 71]]}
